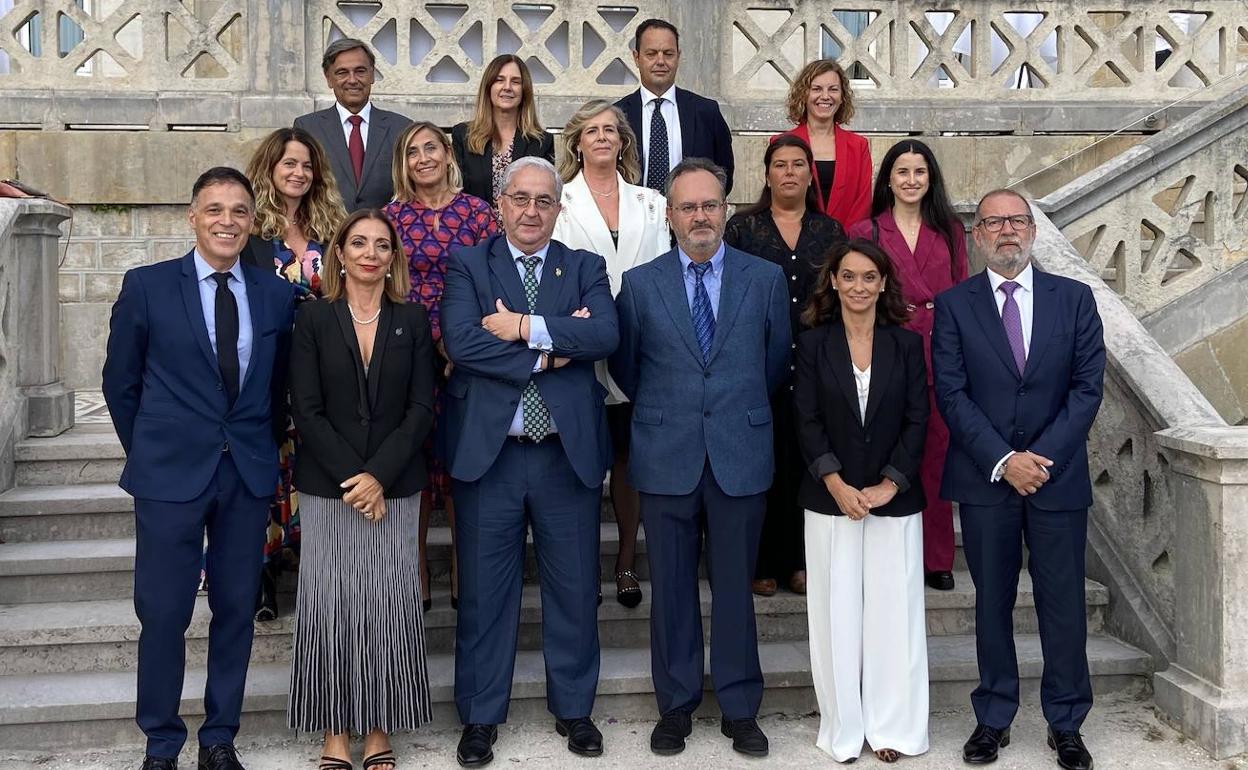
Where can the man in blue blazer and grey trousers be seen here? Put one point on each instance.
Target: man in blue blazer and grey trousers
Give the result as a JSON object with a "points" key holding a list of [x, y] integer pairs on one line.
{"points": [[1018, 363], [704, 340], [195, 371], [524, 318]]}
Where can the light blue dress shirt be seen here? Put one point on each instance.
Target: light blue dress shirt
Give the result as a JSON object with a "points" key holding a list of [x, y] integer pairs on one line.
{"points": [[208, 303], [711, 280], [539, 336]]}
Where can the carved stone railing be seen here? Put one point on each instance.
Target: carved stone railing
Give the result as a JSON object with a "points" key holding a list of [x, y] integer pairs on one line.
{"points": [[1168, 530], [33, 402], [1169, 214], [981, 65]]}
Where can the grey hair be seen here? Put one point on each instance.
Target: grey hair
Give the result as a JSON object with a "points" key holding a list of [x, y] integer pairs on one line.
{"points": [[533, 161], [697, 164], [999, 192], [342, 46]]}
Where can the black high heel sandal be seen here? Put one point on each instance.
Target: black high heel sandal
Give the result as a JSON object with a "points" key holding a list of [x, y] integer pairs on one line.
{"points": [[629, 596]]}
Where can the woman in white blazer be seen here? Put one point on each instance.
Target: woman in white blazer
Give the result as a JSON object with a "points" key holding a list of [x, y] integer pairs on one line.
{"points": [[604, 212]]}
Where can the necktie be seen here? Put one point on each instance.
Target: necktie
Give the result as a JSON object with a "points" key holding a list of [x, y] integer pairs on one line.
{"points": [[703, 316], [658, 163], [1013, 322], [355, 147], [535, 414], [226, 313]]}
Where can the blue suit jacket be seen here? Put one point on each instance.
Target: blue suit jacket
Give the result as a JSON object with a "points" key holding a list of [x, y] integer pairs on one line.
{"points": [[684, 411], [991, 410], [703, 131], [164, 389], [490, 374]]}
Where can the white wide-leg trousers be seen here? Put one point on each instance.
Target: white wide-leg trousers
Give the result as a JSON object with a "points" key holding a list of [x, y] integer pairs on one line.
{"points": [[868, 632]]}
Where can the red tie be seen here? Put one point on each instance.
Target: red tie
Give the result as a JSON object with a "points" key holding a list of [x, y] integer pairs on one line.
{"points": [[355, 147]]}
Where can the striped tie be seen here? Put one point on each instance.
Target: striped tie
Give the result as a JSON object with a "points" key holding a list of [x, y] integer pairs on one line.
{"points": [[703, 316]]}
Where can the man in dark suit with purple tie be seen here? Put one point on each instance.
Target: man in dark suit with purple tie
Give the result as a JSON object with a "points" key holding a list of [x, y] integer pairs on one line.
{"points": [[1018, 363]]}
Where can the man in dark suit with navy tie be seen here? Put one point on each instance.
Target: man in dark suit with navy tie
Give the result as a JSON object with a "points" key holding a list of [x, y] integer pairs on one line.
{"points": [[524, 318], [358, 136], [670, 123], [197, 354], [1018, 363], [704, 341]]}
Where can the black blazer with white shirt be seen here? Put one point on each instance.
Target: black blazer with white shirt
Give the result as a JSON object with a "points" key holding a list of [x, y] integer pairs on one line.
{"points": [[703, 131], [831, 433], [349, 421], [376, 186]]}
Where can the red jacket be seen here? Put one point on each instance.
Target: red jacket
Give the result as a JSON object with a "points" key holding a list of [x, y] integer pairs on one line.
{"points": [[849, 200]]}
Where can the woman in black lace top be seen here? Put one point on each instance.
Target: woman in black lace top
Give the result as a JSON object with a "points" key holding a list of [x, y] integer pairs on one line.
{"points": [[785, 227]]}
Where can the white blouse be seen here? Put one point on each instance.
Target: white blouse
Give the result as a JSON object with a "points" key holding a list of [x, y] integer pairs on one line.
{"points": [[863, 381]]}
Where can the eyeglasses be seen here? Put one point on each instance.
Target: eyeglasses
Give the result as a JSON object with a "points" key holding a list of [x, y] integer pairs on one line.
{"points": [[522, 201], [707, 207], [1017, 221]]}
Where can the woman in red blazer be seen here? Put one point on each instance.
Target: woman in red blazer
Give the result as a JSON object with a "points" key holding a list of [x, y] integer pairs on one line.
{"points": [[820, 102], [912, 220]]}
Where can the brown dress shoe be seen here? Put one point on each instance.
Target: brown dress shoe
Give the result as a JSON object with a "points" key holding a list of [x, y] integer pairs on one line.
{"points": [[797, 582], [764, 587]]}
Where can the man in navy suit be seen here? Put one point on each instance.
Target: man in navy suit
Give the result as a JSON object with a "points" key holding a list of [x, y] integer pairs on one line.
{"points": [[1018, 363], [670, 123], [524, 318], [704, 340], [197, 354]]}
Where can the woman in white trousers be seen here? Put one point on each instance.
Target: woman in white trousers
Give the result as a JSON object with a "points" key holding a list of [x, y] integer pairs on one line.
{"points": [[860, 395]]}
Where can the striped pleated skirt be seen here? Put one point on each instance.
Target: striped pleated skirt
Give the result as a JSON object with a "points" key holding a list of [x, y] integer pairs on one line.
{"points": [[359, 641]]}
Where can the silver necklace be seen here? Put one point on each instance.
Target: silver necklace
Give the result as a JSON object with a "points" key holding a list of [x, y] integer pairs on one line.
{"points": [[363, 323]]}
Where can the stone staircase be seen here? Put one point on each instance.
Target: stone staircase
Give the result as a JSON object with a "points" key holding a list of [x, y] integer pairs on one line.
{"points": [[68, 633]]}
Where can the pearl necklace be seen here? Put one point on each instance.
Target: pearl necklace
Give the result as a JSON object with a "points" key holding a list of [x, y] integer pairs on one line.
{"points": [[363, 323]]}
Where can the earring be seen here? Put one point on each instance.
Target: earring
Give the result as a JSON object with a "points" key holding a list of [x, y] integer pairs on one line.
{"points": [[387, 275], [342, 271], [579, 159]]}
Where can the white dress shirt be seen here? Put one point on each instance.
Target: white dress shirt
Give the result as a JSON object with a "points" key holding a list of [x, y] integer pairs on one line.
{"points": [[1024, 296], [539, 336], [344, 116], [671, 116], [862, 381]]}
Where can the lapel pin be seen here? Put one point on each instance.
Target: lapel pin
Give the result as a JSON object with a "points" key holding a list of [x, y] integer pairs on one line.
{"points": [[558, 272], [398, 332]]}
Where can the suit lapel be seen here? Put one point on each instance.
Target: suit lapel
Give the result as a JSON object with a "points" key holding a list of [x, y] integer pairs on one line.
{"points": [[378, 141], [732, 287], [883, 354], [632, 209], [504, 269], [1043, 314], [984, 306], [256, 307], [672, 292], [383, 330], [688, 126], [631, 105], [554, 279], [583, 213], [343, 316], [836, 348], [195, 309], [336, 146]]}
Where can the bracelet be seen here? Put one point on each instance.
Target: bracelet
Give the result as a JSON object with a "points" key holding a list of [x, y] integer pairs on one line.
{"points": [[894, 483], [520, 328]]}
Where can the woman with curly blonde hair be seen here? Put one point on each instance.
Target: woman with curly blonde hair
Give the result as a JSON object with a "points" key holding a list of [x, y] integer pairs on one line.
{"points": [[821, 103], [298, 208]]}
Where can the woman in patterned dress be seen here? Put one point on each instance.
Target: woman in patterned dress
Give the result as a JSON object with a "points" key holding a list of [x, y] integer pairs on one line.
{"points": [[298, 208], [503, 128], [433, 215]]}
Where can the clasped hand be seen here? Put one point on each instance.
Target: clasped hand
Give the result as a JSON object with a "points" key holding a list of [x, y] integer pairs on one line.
{"points": [[364, 494], [1026, 472], [513, 327], [857, 503]]}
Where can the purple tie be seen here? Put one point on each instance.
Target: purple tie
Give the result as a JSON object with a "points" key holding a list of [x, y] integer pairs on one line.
{"points": [[1013, 323]]}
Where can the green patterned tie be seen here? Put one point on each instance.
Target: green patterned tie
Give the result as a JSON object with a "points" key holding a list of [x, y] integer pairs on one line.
{"points": [[534, 412]]}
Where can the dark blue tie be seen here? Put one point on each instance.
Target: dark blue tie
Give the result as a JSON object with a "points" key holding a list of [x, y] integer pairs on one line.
{"points": [[657, 164], [703, 316]]}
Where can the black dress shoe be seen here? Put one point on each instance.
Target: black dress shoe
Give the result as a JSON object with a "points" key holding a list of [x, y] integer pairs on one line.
{"points": [[475, 745], [941, 580], [982, 747], [1071, 753], [159, 763], [266, 602], [583, 737], [669, 734], [746, 736], [223, 756]]}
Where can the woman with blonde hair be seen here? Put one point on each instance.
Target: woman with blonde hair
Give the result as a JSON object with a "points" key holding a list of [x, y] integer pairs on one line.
{"points": [[821, 103], [605, 212], [298, 208], [432, 216], [503, 128], [361, 392]]}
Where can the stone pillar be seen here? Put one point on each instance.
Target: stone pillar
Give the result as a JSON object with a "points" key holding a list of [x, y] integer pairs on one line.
{"points": [[1205, 689], [49, 405]]}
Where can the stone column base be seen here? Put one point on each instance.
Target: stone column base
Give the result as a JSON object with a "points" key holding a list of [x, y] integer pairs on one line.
{"points": [[49, 409], [1202, 711]]}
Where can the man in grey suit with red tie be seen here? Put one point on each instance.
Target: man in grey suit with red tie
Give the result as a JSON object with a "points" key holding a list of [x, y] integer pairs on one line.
{"points": [[358, 137], [1018, 363]]}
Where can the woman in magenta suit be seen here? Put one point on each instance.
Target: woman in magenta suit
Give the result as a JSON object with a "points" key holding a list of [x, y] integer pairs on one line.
{"points": [[912, 220], [821, 102]]}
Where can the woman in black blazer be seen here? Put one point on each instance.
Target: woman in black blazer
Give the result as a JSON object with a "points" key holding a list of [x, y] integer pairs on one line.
{"points": [[362, 398], [860, 396], [503, 128]]}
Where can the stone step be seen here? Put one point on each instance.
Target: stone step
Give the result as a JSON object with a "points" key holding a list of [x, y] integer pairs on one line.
{"points": [[59, 512], [89, 454], [91, 636], [65, 711]]}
